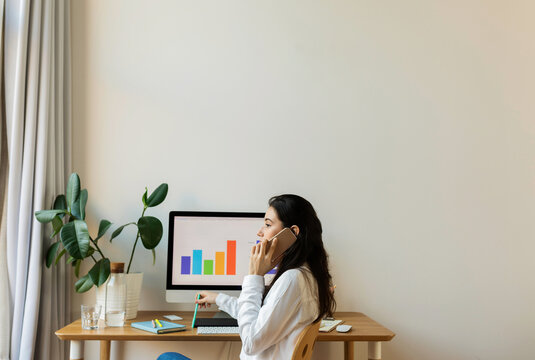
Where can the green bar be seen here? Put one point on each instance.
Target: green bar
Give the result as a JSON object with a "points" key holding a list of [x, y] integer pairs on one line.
{"points": [[208, 267]]}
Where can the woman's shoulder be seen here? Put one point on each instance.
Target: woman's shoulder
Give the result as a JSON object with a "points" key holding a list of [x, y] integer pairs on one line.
{"points": [[294, 276], [297, 283], [294, 285], [300, 271]]}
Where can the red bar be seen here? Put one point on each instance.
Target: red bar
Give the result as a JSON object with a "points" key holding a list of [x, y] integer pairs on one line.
{"points": [[231, 257]]}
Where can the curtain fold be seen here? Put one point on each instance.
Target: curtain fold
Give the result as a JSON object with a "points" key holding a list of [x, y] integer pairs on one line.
{"points": [[38, 121], [4, 281], [56, 287]]}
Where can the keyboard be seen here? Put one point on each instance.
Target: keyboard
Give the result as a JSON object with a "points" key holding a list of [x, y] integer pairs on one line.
{"points": [[218, 330], [213, 321]]}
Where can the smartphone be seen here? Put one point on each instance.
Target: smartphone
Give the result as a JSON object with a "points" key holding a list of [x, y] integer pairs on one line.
{"points": [[285, 239]]}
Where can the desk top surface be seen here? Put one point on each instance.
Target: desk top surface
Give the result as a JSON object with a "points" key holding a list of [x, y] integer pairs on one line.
{"points": [[364, 329]]}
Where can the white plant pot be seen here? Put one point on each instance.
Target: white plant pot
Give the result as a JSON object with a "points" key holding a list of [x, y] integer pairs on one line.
{"points": [[133, 292]]}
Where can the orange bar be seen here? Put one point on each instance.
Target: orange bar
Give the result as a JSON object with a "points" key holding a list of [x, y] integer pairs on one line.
{"points": [[220, 263], [231, 257]]}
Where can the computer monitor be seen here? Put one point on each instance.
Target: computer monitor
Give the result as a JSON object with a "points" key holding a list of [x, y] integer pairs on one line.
{"points": [[209, 251]]}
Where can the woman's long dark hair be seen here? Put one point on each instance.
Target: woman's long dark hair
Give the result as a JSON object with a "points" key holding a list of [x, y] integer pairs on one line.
{"points": [[308, 248]]}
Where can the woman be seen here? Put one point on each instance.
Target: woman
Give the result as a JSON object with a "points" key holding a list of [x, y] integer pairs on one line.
{"points": [[272, 317]]}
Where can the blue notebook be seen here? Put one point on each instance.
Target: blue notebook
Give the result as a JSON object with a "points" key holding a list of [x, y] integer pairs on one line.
{"points": [[167, 327]]}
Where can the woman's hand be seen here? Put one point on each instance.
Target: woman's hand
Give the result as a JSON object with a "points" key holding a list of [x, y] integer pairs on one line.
{"points": [[207, 299], [260, 261]]}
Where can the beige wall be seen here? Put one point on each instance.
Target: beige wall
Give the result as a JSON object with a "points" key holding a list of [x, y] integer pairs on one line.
{"points": [[408, 124]]}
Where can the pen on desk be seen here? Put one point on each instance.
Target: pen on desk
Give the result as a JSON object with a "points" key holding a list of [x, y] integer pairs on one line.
{"points": [[195, 313], [158, 322], [153, 324]]}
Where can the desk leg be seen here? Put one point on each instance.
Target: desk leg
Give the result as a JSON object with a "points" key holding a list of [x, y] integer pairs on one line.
{"points": [[349, 350], [77, 350], [374, 350], [105, 349]]}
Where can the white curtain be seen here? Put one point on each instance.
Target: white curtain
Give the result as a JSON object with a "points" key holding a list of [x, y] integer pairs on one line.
{"points": [[4, 284], [36, 94]]}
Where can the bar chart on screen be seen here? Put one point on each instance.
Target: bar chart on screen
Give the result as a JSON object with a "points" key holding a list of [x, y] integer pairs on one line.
{"points": [[203, 262], [212, 251]]}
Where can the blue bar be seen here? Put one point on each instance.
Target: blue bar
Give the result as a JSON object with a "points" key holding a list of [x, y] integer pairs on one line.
{"points": [[185, 268], [197, 262]]}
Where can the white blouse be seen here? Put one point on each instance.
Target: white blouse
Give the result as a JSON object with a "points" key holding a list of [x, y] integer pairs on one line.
{"points": [[269, 330]]}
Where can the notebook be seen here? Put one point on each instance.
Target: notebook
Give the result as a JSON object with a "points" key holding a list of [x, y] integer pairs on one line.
{"points": [[328, 325], [167, 327]]}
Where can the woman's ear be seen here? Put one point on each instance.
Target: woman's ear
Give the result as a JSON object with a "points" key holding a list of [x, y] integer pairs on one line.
{"points": [[295, 229]]}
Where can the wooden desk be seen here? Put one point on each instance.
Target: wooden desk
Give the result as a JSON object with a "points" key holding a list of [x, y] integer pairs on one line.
{"points": [[364, 329]]}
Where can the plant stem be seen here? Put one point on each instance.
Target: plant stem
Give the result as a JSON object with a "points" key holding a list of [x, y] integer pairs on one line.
{"points": [[95, 260], [135, 243], [132, 255], [98, 249]]}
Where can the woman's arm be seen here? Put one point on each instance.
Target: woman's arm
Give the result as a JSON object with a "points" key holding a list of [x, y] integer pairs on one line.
{"points": [[262, 326], [226, 303]]}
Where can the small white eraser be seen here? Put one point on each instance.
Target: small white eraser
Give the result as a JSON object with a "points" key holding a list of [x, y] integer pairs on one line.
{"points": [[172, 317]]}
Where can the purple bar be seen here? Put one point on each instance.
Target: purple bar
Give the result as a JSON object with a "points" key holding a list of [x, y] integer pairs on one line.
{"points": [[186, 263]]}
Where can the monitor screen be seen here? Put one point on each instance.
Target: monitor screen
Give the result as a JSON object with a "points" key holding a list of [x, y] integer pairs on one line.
{"points": [[210, 250]]}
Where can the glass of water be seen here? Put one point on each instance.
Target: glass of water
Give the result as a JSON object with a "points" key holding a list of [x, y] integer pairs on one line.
{"points": [[90, 316]]}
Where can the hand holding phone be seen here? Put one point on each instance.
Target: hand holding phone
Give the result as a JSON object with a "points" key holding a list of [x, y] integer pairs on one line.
{"points": [[267, 254], [285, 239]]}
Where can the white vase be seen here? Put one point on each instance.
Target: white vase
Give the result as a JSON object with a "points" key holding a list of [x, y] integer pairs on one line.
{"points": [[133, 292]]}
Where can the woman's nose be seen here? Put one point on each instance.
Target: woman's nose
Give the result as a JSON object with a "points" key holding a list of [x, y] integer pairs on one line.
{"points": [[260, 233]]}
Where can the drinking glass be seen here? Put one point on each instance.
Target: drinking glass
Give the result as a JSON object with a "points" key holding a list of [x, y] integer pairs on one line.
{"points": [[90, 316]]}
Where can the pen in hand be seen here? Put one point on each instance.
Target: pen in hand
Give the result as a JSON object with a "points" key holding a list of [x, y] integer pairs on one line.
{"points": [[195, 313]]}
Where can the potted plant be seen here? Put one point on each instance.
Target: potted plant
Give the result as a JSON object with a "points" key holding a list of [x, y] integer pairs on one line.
{"points": [[68, 223], [149, 231]]}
